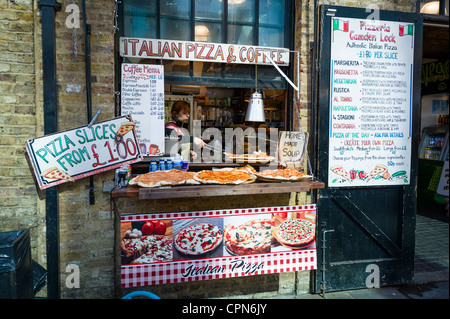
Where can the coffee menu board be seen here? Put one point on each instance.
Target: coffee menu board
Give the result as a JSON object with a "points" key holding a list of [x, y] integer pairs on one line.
{"points": [[142, 96], [201, 245], [371, 72]]}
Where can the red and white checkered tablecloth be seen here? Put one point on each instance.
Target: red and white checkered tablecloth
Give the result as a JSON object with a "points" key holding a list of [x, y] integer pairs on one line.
{"points": [[216, 268]]}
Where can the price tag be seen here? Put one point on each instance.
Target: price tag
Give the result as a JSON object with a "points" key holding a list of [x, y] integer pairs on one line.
{"points": [[70, 155]]}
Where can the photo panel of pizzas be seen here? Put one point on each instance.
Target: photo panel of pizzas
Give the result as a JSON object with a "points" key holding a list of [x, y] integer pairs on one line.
{"points": [[146, 242], [295, 230], [265, 233], [197, 238]]}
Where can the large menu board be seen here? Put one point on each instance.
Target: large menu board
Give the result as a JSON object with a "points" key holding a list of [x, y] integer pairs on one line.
{"points": [[142, 96], [370, 102]]}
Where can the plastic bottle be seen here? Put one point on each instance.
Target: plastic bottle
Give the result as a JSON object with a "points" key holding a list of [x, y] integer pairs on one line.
{"points": [[177, 162]]}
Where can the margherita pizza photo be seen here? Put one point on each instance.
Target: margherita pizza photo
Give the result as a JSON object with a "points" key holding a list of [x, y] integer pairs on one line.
{"points": [[252, 237], [164, 178], [224, 176], [198, 239], [296, 233]]}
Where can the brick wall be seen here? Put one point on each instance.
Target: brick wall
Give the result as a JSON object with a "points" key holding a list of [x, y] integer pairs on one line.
{"points": [[19, 199], [88, 233]]}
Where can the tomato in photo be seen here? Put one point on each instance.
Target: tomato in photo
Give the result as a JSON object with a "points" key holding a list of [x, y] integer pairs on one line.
{"points": [[160, 228], [148, 228]]}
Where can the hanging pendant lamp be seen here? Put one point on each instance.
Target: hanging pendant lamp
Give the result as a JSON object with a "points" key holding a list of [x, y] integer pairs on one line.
{"points": [[255, 109]]}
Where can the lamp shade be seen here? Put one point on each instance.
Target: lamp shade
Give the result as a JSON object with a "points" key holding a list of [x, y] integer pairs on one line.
{"points": [[255, 110]]}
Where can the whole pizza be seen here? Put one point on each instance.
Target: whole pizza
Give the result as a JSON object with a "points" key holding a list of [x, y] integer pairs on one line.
{"points": [[224, 176], [164, 178], [296, 232], [252, 237], [198, 239], [281, 175]]}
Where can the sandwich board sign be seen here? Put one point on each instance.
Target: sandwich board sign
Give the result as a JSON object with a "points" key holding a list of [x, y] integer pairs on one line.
{"points": [[83, 151]]}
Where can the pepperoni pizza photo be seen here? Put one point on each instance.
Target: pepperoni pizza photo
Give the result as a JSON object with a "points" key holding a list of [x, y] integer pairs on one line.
{"points": [[296, 233]]}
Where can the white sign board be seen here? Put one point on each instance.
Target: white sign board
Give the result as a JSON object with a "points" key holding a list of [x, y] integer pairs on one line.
{"points": [[292, 146], [370, 102], [201, 51], [142, 96], [83, 151]]}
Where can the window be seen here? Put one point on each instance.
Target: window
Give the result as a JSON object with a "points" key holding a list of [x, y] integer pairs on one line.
{"points": [[251, 22]]}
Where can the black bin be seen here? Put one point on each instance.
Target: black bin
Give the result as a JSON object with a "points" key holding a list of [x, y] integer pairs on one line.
{"points": [[16, 272]]}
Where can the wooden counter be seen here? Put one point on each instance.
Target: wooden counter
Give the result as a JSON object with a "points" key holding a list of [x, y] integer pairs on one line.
{"points": [[215, 190]]}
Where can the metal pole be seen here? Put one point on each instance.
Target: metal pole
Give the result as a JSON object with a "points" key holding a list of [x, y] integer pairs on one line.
{"points": [[87, 65], [48, 11]]}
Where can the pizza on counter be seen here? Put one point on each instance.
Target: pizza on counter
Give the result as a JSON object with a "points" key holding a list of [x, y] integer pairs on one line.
{"points": [[287, 174], [224, 176], [198, 239], [164, 178], [252, 237], [256, 157]]}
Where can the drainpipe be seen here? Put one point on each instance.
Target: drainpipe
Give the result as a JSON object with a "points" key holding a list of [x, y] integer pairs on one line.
{"points": [[48, 11], [87, 63]]}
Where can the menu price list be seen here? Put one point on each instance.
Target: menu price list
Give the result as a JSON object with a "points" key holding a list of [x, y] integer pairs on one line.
{"points": [[142, 96], [370, 104]]}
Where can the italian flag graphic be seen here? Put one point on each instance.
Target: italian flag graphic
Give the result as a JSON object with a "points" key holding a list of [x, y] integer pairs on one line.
{"points": [[340, 25], [405, 30]]}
